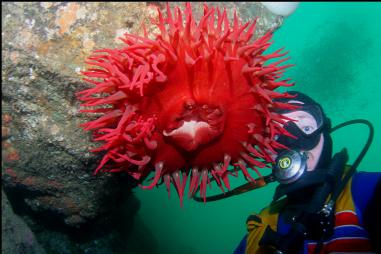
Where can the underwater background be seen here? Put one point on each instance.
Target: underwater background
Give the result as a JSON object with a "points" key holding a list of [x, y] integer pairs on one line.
{"points": [[336, 49], [52, 202]]}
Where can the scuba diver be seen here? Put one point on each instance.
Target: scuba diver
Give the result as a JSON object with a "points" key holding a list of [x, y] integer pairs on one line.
{"points": [[321, 205]]}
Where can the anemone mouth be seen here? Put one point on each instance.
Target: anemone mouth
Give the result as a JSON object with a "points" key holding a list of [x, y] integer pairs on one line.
{"points": [[190, 135], [194, 124]]}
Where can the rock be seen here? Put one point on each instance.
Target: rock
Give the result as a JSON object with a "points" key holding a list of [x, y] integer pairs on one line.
{"points": [[48, 166], [46, 156], [63, 34], [16, 236]]}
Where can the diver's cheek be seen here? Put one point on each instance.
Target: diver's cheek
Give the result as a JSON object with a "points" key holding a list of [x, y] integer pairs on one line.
{"points": [[310, 161], [314, 154]]}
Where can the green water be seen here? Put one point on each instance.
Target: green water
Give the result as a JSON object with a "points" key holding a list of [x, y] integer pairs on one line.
{"points": [[336, 48]]}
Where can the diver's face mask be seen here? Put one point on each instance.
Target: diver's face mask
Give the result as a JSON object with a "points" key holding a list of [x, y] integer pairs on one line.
{"points": [[308, 125]]}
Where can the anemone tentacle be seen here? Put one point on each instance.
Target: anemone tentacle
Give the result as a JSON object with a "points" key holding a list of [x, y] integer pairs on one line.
{"points": [[188, 104]]}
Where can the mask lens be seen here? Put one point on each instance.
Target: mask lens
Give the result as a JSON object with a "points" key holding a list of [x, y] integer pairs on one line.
{"points": [[315, 111], [309, 119]]}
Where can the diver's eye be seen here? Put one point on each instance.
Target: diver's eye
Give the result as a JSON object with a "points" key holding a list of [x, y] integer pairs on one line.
{"points": [[308, 129]]}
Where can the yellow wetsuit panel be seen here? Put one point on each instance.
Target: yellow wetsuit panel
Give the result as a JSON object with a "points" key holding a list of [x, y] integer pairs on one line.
{"points": [[256, 226]]}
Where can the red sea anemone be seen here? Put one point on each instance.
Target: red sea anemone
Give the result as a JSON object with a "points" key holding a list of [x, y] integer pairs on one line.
{"points": [[187, 104]]}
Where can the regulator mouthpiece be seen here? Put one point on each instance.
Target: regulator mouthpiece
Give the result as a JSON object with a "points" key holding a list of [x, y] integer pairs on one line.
{"points": [[289, 166]]}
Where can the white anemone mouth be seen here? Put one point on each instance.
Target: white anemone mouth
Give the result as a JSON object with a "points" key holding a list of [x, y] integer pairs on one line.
{"points": [[188, 128]]}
